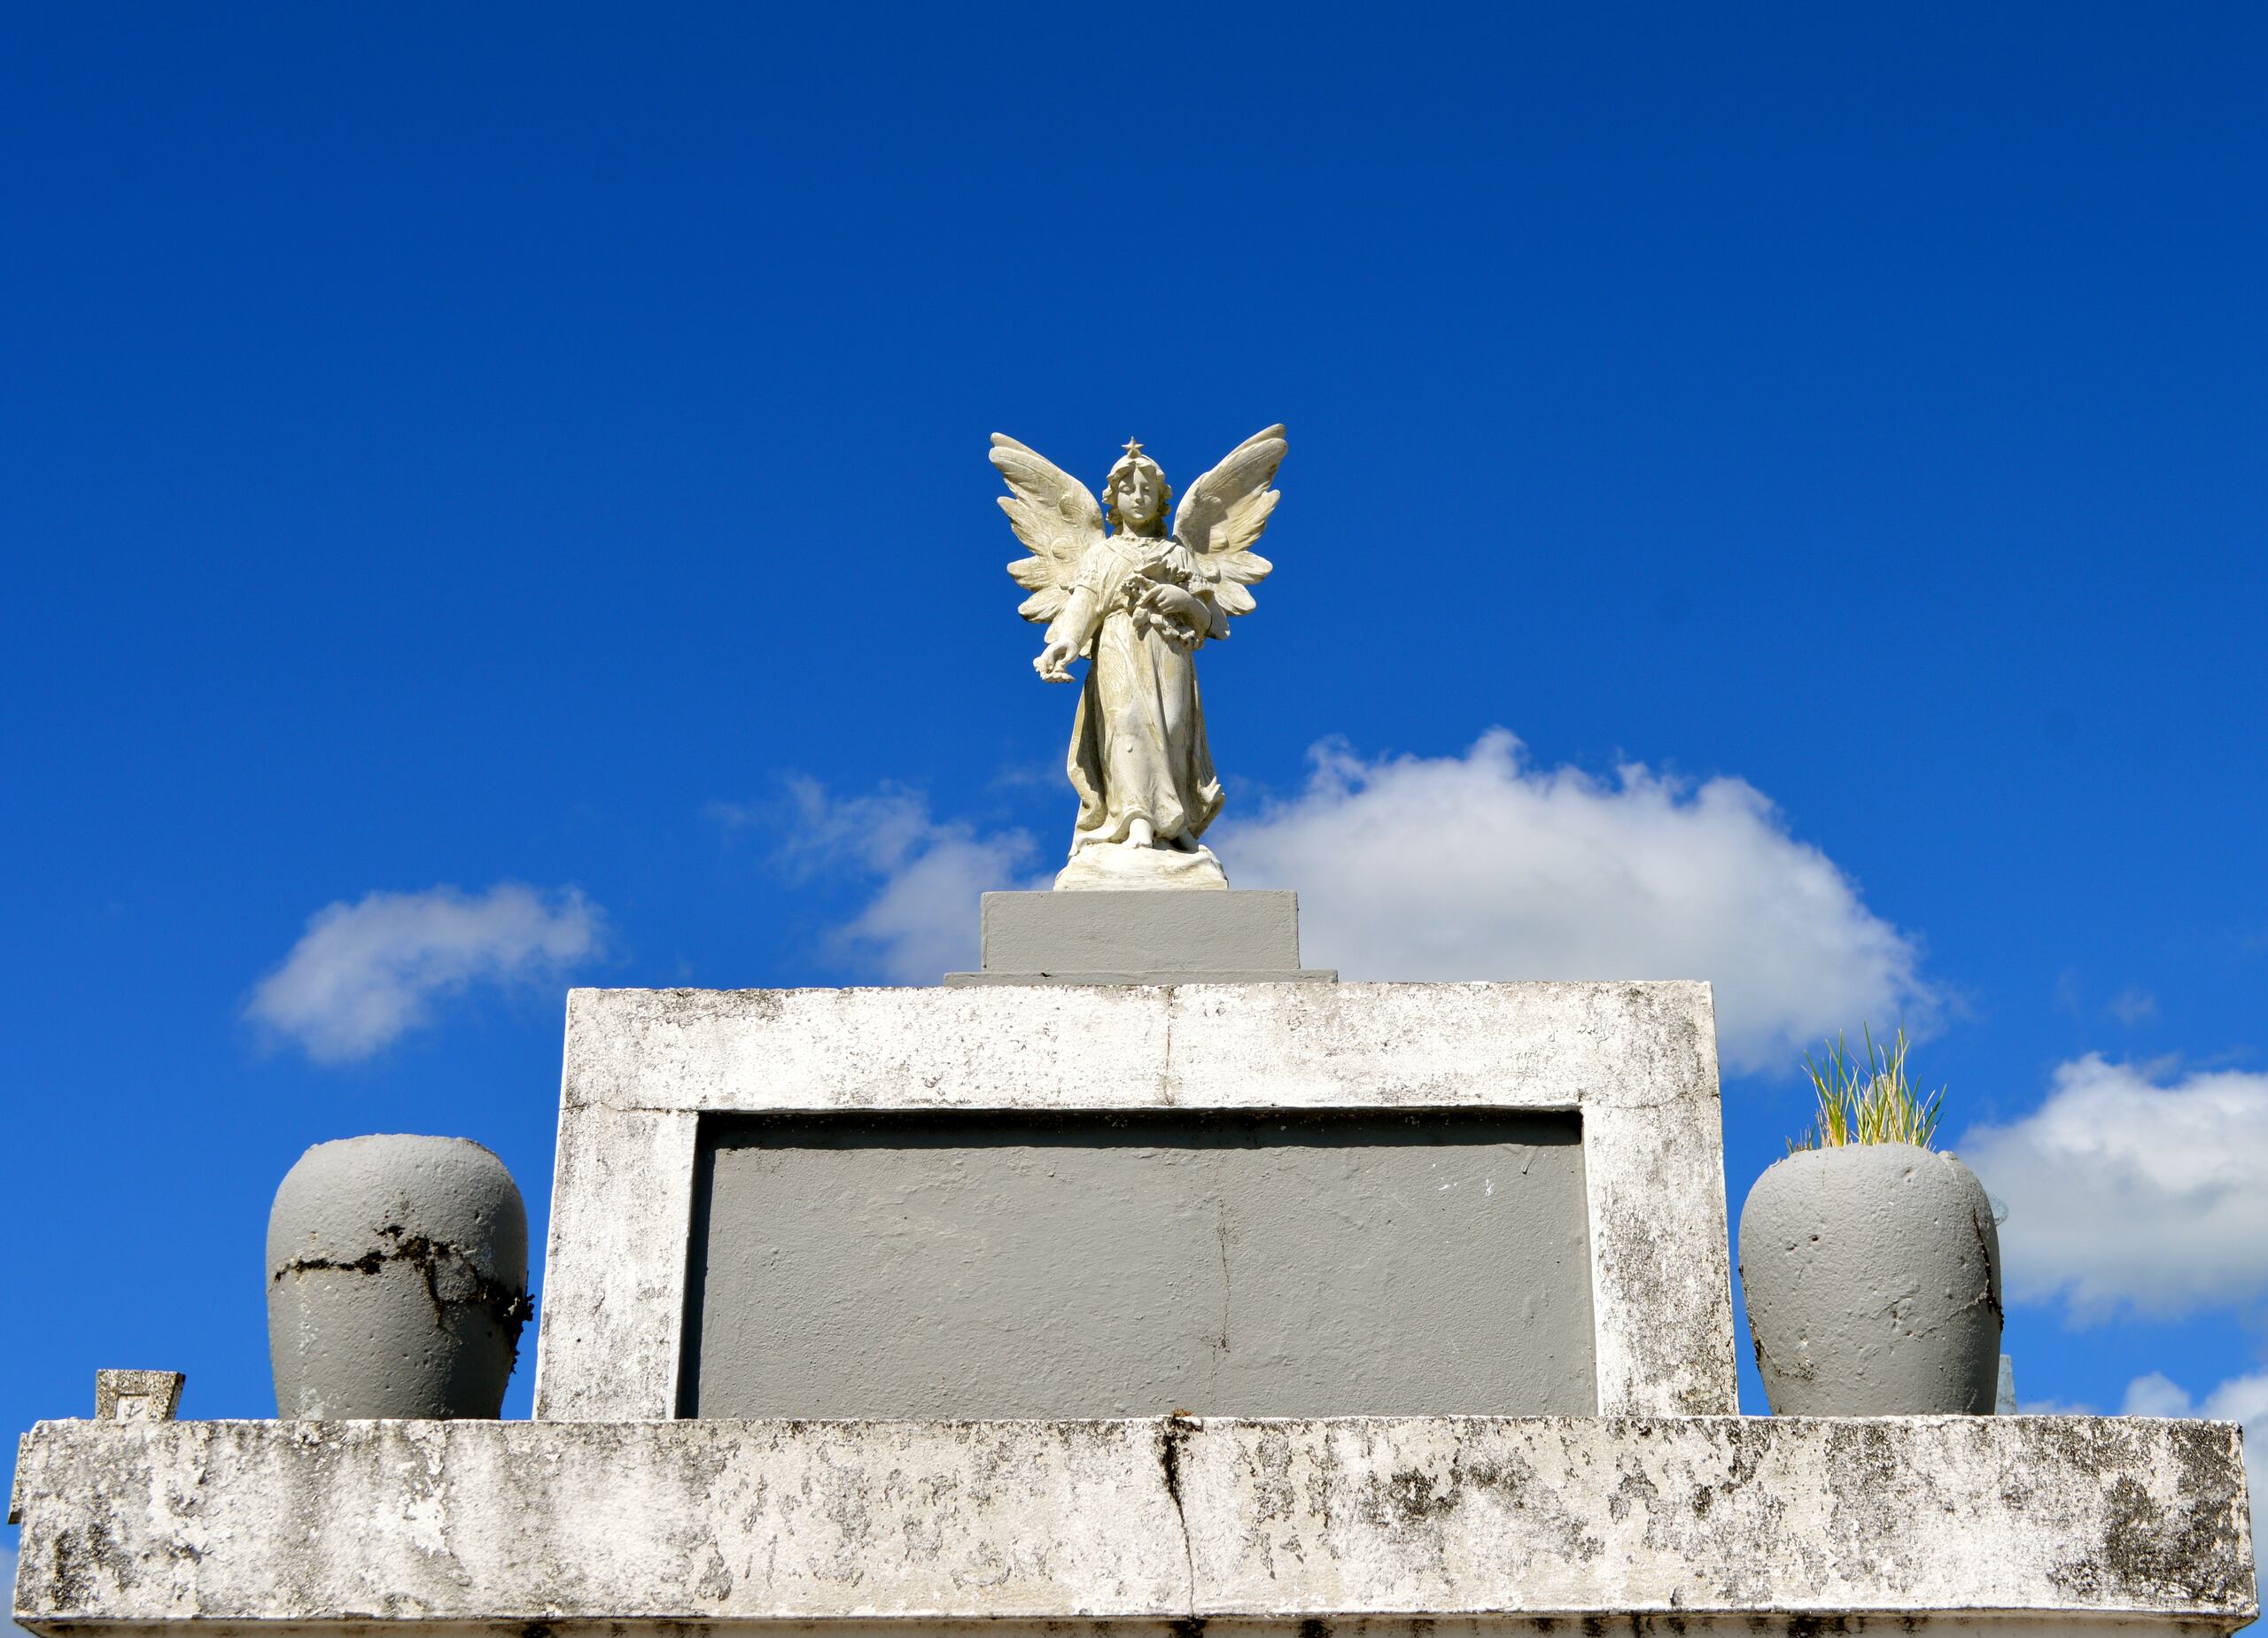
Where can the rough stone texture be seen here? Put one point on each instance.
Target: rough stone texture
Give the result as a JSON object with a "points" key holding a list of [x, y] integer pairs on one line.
{"points": [[1637, 1061], [1222, 1263], [1163, 937], [397, 1279], [614, 1284], [1872, 1276], [138, 1395], [1577, 1520]]}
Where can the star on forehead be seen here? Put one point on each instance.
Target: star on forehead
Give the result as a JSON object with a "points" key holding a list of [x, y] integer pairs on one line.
{"points": [[1132, 449]]}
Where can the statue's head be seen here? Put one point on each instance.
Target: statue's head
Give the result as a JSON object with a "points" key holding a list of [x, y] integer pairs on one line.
{"points": [[1136, 493]]}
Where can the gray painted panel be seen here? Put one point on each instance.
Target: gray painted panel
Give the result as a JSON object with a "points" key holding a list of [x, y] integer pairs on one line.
{"points": [[1222, 1264], [1166, 937]]}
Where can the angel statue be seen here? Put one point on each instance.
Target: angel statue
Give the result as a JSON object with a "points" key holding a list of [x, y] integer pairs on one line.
{"points": [[1137, 604]]}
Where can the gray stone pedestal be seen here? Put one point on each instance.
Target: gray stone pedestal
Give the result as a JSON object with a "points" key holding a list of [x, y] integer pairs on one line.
{"points": [[1164, 937]]}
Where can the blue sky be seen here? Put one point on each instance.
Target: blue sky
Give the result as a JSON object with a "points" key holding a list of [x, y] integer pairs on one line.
{"points": [[1783, 488]]}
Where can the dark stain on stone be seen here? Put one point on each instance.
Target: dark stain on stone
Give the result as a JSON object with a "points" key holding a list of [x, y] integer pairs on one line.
{"points": [[1173, 1432], [71, 1567], [2150, 1550], [2148, 1547], [1314, 1628], [1414, 1500], [1991, 1265], [1869, 1485]]}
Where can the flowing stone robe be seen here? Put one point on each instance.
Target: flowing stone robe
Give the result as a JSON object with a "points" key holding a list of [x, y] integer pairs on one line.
{"points": [[1137, 746]]}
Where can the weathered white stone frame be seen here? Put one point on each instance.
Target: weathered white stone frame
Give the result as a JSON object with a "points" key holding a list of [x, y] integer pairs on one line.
{"points": [[1637, 1062]]}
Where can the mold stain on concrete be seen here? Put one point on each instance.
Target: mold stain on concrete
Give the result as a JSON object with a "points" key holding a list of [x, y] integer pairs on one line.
{"points": [[1173, 1434]]}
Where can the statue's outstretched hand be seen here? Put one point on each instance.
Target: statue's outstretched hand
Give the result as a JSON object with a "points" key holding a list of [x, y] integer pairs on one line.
{"points": [[1053, 663]]}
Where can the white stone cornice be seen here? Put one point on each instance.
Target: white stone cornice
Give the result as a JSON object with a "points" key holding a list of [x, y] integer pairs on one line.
{"points": [[1482, 1522]]}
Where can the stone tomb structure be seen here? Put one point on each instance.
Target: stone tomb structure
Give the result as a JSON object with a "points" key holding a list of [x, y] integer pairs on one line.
{"points": [[1079, 1304], [1037, 1200]]}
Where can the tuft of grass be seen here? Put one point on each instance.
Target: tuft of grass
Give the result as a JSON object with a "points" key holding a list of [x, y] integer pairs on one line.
{"points": [[1867, 1098]]}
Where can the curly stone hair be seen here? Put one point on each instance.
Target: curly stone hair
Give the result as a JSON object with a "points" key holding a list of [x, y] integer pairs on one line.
{"points": [[1127, 464]]}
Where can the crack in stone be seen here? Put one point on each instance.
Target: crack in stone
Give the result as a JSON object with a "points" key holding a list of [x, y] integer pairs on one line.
{"points": [[1220, 1346], [1228, 1282], [1767, 1365], [1173, 1432], [508, 1308], [1165, 1056], [1985, 1256]]}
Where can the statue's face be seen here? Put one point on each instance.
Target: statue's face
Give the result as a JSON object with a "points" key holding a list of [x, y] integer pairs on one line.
{"points": [[1140, 500]]}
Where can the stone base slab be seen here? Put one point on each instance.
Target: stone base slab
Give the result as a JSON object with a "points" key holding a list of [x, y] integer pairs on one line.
{"points": [[1487, 1523], [1163, 936]]}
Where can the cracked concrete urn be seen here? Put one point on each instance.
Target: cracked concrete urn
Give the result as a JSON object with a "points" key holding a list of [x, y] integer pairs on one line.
{"points": [[1872, 1274], [397, 1279]]}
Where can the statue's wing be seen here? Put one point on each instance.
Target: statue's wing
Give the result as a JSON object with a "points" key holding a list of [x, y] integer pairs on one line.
{"points": [[1055, 515], [1223, 513]]}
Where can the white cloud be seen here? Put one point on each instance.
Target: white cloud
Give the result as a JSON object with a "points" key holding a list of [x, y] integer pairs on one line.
{"points": [[362, 974], [2240, 1399], [921, 922], [1459, 868], [2122, 1190], [1482, 866], [2131, 1006]]}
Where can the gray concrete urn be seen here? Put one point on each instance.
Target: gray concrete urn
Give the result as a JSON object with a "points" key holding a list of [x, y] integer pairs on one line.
{"points": [[397, 1279], [1872, 1274]]}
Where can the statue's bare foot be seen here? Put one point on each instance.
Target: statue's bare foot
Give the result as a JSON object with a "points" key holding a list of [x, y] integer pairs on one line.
{"points": [[1141, 834]]}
